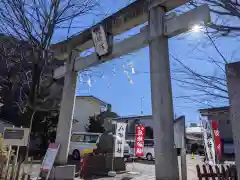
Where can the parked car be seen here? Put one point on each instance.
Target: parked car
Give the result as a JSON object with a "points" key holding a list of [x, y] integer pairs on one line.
{"points": [[148, 148], [82, 141]]}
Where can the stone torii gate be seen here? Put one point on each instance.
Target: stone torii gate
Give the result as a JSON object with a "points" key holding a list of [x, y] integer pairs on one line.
{"points": [[156, 34]]}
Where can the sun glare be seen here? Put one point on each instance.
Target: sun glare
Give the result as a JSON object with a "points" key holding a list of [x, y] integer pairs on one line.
{"points": [[196, 28]]}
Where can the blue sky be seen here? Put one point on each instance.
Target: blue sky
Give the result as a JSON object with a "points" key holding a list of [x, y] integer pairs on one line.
{"points": [[110, 83]]}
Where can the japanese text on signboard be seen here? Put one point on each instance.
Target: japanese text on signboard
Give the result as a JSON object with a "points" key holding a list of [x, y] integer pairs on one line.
{"points": [[139, 141], [120, 139], [217, 139], [208, 141], [100, 40]]}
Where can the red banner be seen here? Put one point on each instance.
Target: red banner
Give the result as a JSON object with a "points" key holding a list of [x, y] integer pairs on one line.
{"points": [[217, 139], [139, 141]]}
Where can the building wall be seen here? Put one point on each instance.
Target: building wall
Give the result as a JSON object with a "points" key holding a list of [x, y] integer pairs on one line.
{"points": [[147, 121], [84, 107], [225, 130], [225, 126], [132, 122]]}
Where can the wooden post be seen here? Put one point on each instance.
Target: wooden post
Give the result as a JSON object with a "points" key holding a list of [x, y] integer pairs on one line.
{"points": [[15, 165], [8, 161]]}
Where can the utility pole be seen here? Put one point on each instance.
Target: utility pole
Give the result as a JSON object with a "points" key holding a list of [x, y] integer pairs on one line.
{"points": [[142, 105], [166, 163]]}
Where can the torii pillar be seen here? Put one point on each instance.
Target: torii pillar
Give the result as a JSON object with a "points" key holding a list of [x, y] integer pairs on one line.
{"points": [[166, 162], [233, 83]]}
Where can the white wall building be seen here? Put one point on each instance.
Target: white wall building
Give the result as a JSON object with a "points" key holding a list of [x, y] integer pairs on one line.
{"points": [[86, 106]]}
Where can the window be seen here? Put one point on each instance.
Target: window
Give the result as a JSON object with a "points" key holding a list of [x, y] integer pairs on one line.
{"points": [[131, 144], [148, 143], [91, 138], [77, 138]]}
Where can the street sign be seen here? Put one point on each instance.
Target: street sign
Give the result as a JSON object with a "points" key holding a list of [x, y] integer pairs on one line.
{"points": [[139, 141], [15, 136], [120, 139]]}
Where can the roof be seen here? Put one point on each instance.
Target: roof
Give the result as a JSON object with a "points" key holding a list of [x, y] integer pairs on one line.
{"points": [[224, 109], [142, 117], [94, 98], [132, 117]]}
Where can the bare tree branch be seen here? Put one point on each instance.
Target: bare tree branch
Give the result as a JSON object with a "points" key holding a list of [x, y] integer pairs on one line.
{"points": [[27, 29]]}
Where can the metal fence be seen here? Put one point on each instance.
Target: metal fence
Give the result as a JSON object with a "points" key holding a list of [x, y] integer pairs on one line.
{"points": [[218, 172]]}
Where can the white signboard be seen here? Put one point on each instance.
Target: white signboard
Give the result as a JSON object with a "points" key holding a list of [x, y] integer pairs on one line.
{"points": [[208, 141], [100, 40], [120, 139], [15, 136]]}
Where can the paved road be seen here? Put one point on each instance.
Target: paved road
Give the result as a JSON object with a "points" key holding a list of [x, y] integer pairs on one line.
{"points": [[146, 171], [143, 170]]}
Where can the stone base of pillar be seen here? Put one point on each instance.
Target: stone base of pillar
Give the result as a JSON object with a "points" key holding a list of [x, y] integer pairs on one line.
{"points": [[66, 172]]}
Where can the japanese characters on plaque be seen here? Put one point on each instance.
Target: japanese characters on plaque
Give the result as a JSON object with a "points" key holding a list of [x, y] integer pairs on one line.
{"points": [[139, 141], [120, 139], [100, 40]]}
